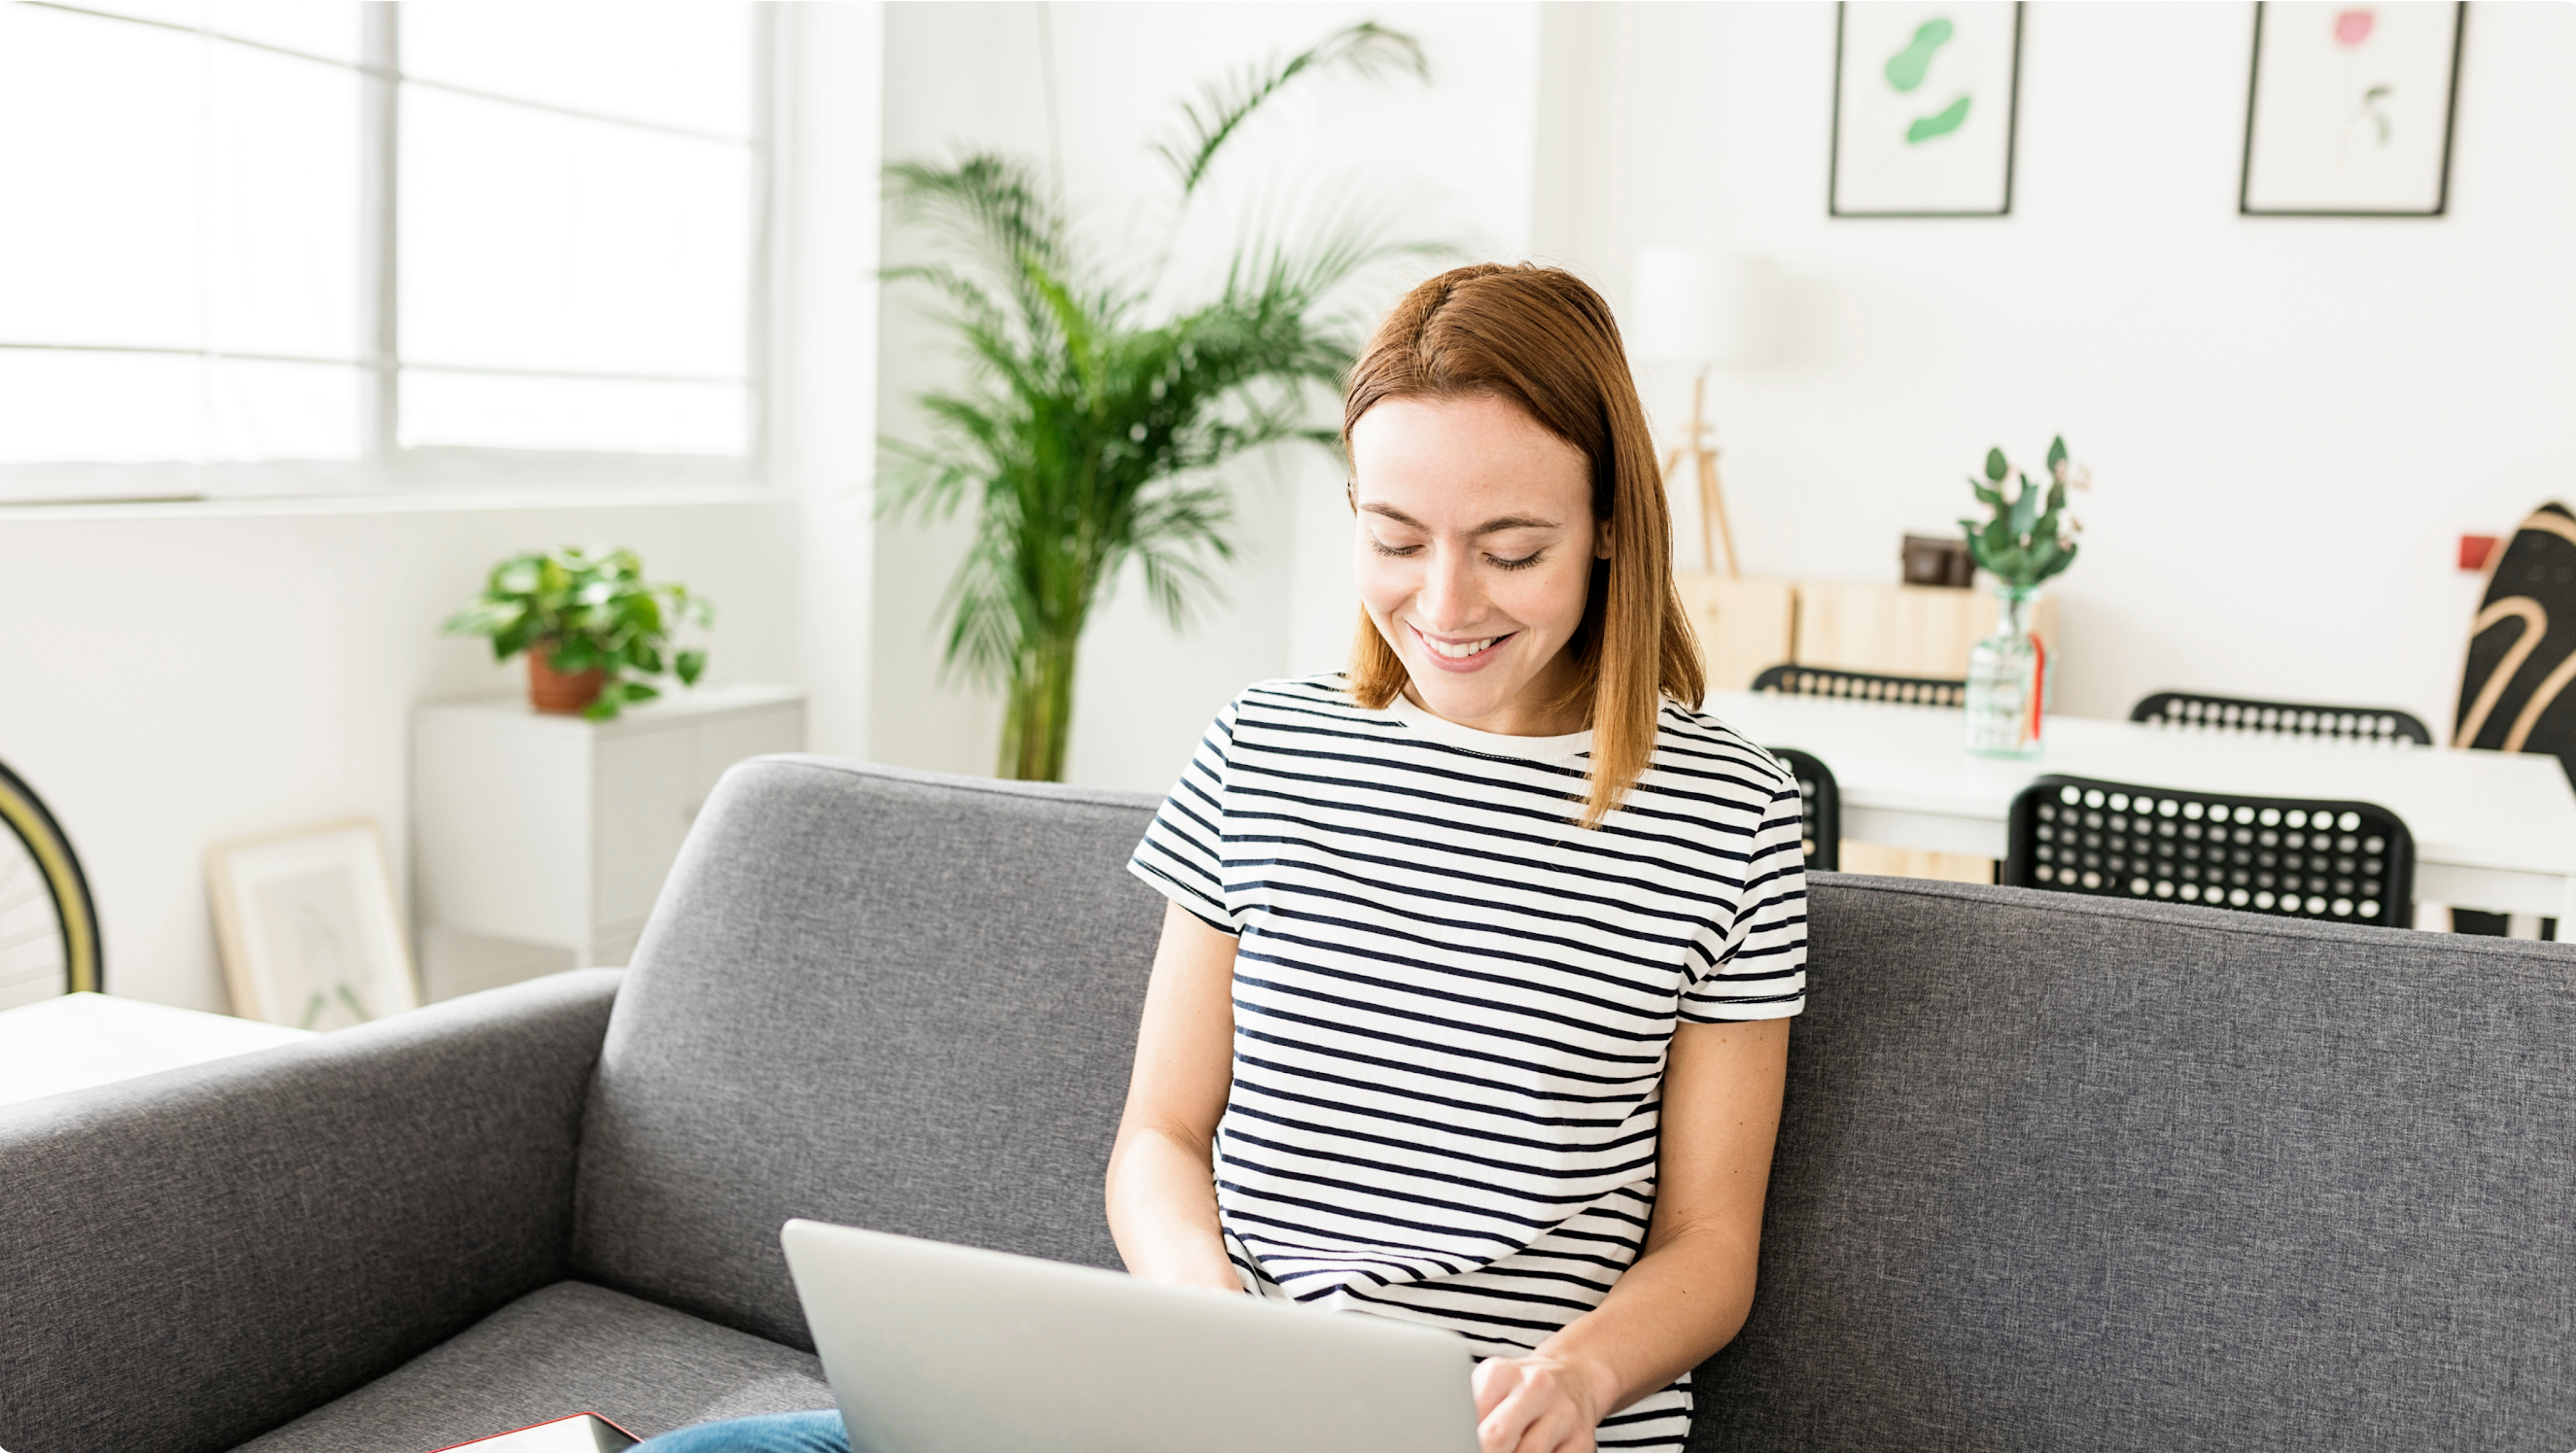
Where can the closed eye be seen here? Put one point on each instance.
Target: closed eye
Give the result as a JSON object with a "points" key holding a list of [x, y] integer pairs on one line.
{"points": [[1523, 563], [1383, 548]]}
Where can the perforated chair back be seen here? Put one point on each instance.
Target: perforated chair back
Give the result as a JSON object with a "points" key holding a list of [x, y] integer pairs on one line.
{"points": [[2344, 862], [1820, 809], [1796, 680], [2385, 725]]}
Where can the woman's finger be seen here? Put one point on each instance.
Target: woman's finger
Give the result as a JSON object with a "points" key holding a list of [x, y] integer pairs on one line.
{"points": [[1505, 1411]]}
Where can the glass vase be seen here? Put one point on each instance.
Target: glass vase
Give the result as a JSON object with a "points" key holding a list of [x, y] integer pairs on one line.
{"points": [[2007, 681]]}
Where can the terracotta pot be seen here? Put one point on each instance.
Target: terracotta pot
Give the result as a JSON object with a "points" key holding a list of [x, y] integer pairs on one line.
{"points": [[563, 693]]}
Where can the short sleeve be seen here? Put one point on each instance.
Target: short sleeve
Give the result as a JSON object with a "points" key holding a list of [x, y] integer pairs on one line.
{"points": [[1761, 966], [1183, 854]]}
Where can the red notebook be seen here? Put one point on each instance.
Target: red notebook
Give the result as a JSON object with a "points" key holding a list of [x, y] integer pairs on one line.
{"points": [[580, 1433]]}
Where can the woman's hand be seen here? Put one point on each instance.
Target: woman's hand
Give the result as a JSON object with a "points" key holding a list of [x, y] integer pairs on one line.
{"points": [[1537, 1405]]}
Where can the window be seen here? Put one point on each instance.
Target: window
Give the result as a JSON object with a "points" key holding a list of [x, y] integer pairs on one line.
{"points": [[289, 246]]}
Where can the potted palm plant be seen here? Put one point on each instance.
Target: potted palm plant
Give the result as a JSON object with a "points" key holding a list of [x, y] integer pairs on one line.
{"points": [[1094, 417], [589, 625]]}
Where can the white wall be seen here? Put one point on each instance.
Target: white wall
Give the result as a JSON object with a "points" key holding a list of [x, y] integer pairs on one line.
{"points": [[2290, 420], [824, 415], [179, 675], [1453, 158]]}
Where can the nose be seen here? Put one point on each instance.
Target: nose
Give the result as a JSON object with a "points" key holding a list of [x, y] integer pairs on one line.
{"points": [[1452, 601]]}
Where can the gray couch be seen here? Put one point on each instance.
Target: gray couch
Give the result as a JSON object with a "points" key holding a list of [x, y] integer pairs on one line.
{"points": [[2055, 1174]]}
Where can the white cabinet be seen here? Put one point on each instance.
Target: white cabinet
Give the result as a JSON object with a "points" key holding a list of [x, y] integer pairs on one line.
{"points": [[555, 833]]}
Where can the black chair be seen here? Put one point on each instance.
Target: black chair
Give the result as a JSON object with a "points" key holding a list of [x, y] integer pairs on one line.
{"points": [[1796, 680], [2344, 862], [1820, 809], [2382, 724], [48, 925]]}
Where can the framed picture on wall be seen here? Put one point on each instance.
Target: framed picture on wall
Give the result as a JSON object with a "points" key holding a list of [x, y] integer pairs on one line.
{"points": [[2350, 109], [1924, 97], [309, 929]]}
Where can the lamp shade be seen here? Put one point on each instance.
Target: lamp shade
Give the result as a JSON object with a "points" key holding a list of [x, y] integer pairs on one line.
{"points": [[1695, 306]]}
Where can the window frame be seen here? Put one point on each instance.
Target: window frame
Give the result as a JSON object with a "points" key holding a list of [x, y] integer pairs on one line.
{"points": [[385, 465]]}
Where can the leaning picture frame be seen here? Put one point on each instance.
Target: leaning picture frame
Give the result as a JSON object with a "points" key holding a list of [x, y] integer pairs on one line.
{"points": [[1926, 98], [309, 929], [2349, 109]]}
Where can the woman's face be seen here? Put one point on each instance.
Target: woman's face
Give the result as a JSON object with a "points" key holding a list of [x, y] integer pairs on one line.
{"points": [[1476, 543]]}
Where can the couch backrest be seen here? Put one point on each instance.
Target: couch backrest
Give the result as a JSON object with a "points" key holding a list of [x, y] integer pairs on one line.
{"points": [[2060, 1173], [882, 998], [2055, 1172]]}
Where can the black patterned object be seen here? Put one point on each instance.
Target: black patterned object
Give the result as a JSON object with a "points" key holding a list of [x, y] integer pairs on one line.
{"points": [[2343, 862], [1820, 809], [2385, 725], [2522, 646], [1796, 680]]}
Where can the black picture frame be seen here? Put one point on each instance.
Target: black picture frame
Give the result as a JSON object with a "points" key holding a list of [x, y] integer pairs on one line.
{"points": [[1834, 153], [2450, 133]]}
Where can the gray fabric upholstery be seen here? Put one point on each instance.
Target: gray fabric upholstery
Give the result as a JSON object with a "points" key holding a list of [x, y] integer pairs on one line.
{"points": [[569, 1348], [874, 997], [2055, 1173], [192, 1257], [2059, 1173]]}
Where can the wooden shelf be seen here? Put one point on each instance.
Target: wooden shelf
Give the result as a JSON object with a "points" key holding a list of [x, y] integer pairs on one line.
{"points": [[1747, 625]]}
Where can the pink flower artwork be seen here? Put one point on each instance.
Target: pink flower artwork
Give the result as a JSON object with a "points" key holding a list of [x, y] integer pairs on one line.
{"points": [[2352, 27]]}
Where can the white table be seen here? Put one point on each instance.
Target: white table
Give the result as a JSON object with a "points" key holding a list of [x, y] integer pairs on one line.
{"points": [[74, 1041], [2493, 830]]}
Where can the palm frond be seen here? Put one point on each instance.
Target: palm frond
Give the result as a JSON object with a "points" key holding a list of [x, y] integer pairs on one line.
{"points": [[1366, 49], [1090, 433]]}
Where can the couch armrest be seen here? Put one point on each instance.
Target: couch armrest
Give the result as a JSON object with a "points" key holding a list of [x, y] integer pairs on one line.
{"points": [[191, 1258]]}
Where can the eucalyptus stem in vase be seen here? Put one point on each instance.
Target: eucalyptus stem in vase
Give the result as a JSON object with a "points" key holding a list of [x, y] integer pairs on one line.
{"points": [[2028, 538]]}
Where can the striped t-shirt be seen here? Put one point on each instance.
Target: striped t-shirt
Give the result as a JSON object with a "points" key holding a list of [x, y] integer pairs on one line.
{"points": [[1452, 1002]]}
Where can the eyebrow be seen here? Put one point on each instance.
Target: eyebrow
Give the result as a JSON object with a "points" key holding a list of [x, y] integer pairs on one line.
{"points": [[1492, 526]]}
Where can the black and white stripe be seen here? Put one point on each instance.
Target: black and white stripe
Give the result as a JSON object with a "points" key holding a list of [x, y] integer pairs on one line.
{"points": [[1452, 1003]]}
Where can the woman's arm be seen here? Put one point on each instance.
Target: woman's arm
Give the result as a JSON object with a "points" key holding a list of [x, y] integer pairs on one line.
{"points": [[1691, 1291], [1162, 1182]]}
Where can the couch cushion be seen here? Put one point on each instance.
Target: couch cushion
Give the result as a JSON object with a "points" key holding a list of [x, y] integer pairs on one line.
{"points": [[194, 1256], [565, 1349], [2061, 1173], [877, 997]]}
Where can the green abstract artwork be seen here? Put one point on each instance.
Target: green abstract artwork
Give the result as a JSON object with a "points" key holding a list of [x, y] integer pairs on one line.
{"points": [[1906, 70], [1939, 123], [1924, 94]]}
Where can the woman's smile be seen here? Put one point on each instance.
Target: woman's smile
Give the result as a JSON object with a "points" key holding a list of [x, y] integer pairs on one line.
{"points": [[1451, 653]]}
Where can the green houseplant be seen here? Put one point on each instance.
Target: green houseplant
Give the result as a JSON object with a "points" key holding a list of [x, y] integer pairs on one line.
{"points": [[2027, 538], [1095, 412], [589, 624]]}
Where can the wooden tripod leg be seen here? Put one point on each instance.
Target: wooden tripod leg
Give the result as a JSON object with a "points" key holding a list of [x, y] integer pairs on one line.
{"points": [[1712, 515]]}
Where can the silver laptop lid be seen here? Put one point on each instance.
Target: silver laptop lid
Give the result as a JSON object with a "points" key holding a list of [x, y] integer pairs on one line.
{"points": [[934, 1348]]}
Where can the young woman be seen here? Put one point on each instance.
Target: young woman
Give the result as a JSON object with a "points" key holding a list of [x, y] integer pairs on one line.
{"points": [[1471, 1004]]}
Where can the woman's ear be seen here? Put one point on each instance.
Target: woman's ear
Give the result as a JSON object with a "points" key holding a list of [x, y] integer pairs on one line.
{"points": [[1601, 540], [1351, 494]]}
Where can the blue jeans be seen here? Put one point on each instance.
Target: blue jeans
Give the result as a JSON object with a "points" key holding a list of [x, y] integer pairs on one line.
{"points": [[770, 1433]]}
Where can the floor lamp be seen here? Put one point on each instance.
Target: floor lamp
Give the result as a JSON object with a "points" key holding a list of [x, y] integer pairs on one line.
{"points": [[1699, 308]]}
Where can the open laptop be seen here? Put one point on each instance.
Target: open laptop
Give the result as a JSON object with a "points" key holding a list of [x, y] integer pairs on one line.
{"points": [[934, 1348]]}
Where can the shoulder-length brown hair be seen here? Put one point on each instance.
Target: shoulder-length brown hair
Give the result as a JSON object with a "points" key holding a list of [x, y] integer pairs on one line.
{"points": [[1541, 338]]}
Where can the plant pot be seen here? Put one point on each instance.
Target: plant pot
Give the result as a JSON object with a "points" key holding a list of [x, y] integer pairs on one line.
{"points": [[564, 693]]}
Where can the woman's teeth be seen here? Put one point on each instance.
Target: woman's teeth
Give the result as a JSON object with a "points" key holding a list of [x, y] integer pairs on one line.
{"points": [[1462, 650]]}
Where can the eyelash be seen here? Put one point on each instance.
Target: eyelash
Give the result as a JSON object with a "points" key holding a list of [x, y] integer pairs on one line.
{"points": [[1499, 563]]}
